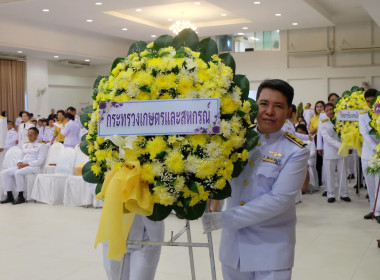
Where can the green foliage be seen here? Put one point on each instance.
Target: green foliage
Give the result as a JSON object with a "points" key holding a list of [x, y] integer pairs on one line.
{"points": [[186, 38], [229, 61], [191, 212], [207, 48], [88, 175], [137, 47], [242, 82], [221, 194], [160, 212], [163, 41]]}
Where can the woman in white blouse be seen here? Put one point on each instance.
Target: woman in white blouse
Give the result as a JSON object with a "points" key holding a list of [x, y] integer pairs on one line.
{"points": [[71, 131]]}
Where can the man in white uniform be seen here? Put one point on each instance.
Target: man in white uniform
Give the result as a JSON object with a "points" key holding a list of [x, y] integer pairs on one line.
{"points": [[308, 113], [31, 159], [369, 148], [140, 261], [332, 98], [23, 129], [258, 235], [331, 159], [12, 137], [3, 136]]}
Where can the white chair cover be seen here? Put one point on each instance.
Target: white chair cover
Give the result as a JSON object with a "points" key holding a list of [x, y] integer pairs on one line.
{"points": [[10, 160], [52, 157], [49, 188], [77, 191]]}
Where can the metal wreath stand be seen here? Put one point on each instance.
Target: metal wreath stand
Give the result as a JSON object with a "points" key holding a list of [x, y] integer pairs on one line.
{"points": [[189, 244]]}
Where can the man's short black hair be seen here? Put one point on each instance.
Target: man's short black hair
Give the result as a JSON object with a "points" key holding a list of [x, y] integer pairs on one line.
{"points": [[280, 85], [10, 122], [69, 116], [332, 94], [71, 109], [329, 104], [302, 127], [294, 108], [60, 111], [35, 129], [370, 93]]}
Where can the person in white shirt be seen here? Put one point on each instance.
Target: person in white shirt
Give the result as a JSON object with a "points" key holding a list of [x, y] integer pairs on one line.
{"points": [[331, 159], [71, 131], [19, 119], [12, 137], [49, 131], [289, 126], [73, 111], [3, 136], [23, 129], [369, 149], [31, 159], [308, 113]]}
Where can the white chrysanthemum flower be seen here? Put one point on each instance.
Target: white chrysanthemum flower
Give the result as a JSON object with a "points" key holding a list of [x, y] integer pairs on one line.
{"points": [[179, 183], [213, 150], [192, 163], [235, 96], [225, 128], [133, 89], [158, 168]]}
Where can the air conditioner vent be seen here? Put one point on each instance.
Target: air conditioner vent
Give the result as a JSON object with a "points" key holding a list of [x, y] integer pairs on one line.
{"points": [[73, 63]]}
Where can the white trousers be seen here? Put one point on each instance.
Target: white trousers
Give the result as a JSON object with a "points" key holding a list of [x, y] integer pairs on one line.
{"points": [[230, 273], [2, 159], [13, 174], [137, 264], [329, 166], [371, 182]]}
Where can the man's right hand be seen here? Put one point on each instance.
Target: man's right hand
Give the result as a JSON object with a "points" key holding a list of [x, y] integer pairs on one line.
{"points": [[19, 165]]}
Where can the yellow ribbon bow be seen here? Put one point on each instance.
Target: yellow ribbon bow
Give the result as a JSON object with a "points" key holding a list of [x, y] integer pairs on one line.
{"points": [[124, 196], [350, 140]]}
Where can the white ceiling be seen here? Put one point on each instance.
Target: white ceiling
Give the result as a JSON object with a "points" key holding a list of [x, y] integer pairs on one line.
{"points": [[113, 15]]}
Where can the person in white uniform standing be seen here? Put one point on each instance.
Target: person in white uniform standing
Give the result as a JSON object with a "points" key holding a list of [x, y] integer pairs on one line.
{"points": [[258, 225], [140, 262], [308, 113], [23, 129], [71, 131], [331, 159], [368, 150], [289, 126], [12, 137], [3, 136], [49, 131], [31, 159]]}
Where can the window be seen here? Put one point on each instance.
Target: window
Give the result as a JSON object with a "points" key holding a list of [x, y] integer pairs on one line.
{"points": [[258, 41]]}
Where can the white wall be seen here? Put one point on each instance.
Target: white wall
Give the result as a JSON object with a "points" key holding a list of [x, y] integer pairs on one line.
{"points": [[314, 76]]}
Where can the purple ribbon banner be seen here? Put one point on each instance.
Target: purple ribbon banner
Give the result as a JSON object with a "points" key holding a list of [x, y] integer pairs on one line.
{"points": [[376, 109], [160, 117]]}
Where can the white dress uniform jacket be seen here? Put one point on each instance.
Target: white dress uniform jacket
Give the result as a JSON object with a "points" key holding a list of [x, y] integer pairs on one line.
{"points": [[289, 127], [368, 150], [260, 217], [12, 137], [322, 116], [23, 133], [77, 120], [308, 114], [32, 153], [140, 261], [71, 131], [3, 136], [331, 159]]}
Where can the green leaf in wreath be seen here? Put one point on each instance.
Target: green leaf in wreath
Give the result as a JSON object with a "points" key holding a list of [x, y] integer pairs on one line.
{"points": [[221, 194], [116, 62], [85, 116], [164, 54], [252, 139], [191, 213], [145, 89], [238, 168], [228, 60], [160, 212], [192, 186], [137, 47], [355, 88], [186, 38], [254, 109], [207, 48], [161, 155], [98, 188], [83, 145], [88, 175], [242, 82], [96, 84], [163, 41], [372, 132], [240, 113]]}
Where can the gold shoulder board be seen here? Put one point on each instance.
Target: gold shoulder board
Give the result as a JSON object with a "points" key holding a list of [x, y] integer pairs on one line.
{"points": [[325, 120], [41, 142], [295, 140], [363, 112], [1, 117]]}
